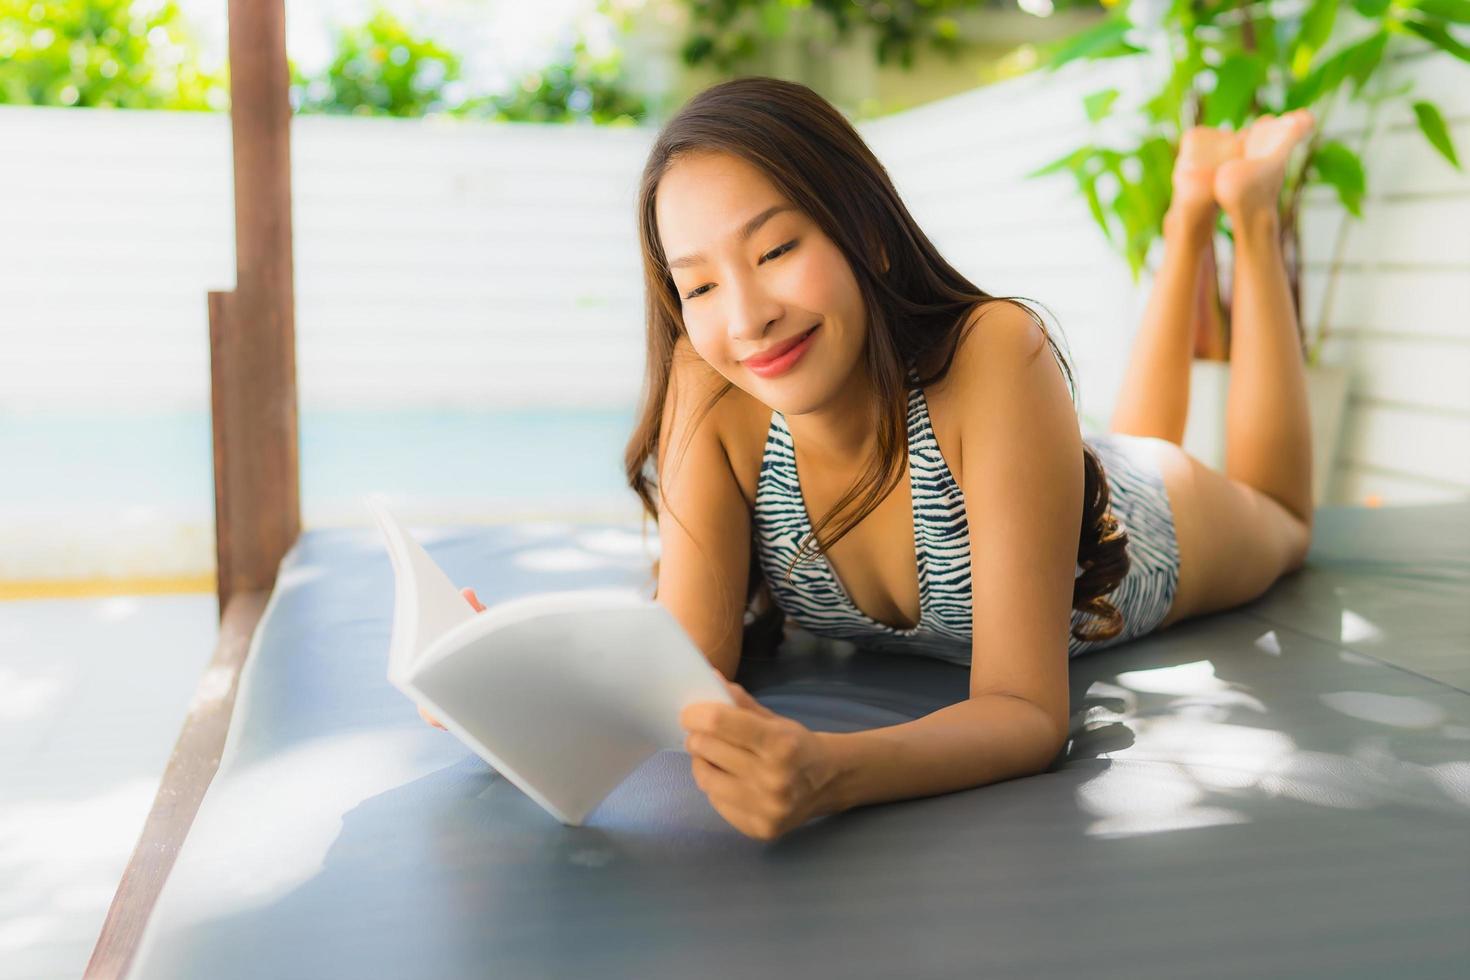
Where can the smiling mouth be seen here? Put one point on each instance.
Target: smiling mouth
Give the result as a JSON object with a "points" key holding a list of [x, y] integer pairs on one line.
{"points": [[760, 360]]}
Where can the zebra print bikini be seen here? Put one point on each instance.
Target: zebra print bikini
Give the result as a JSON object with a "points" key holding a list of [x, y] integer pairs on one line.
{"points": [[817, 601]]}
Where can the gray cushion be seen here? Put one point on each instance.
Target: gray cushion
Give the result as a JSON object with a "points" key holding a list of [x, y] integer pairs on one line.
{"points": [[1279, 790]]}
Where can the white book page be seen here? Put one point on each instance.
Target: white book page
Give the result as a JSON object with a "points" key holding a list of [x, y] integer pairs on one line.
{"points": [[426, 604], [565, 694]]}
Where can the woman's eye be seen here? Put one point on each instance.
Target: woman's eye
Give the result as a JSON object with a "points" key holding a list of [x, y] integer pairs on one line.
{"points": [[774, 253]]}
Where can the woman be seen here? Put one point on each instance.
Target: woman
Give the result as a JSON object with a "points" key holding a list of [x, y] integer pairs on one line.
{"points": [[840, 428]]}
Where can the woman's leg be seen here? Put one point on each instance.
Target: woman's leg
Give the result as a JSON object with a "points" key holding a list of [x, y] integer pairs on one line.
{"points": [[1268, 443], [1154, 399], [1238, 532]]}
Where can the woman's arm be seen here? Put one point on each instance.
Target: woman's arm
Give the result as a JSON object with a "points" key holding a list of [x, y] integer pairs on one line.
{"points": [[1021, 466], [978, 741], [703, 521]]}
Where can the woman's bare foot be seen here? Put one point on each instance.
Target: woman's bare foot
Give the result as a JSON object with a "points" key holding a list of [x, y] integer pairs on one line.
{"points": [[1202, 151], [1252, 183]]}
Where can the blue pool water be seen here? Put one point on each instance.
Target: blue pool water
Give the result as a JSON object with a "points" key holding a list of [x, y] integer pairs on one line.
{"points": [[163, 462]]}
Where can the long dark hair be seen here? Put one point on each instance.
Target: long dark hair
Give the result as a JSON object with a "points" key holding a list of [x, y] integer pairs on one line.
{"points": [[917, 309]]}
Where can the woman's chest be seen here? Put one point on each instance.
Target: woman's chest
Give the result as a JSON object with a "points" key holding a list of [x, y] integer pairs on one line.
{"points": [[876, 561]]}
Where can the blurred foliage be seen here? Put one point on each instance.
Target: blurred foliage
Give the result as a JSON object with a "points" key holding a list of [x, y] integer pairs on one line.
{"points": [[140, 54], [729, 34], [379, 68], [579, 87], [104, 53], [1233, 61]]}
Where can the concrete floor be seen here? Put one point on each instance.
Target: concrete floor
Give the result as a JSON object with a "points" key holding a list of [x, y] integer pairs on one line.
{"points": [[92, 695]]}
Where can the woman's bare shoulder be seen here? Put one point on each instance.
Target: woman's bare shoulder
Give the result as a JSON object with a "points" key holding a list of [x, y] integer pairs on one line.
{"points": [[992, 334], [739, 419]]}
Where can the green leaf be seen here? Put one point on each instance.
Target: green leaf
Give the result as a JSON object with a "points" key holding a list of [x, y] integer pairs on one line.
{"points": [[1258, 32], [1138, 214], [1356, 61], [1157, 157], [1315, 30], [1067, 161], [1103, 41], [1364, 57], [1370, 8], [1089, 191], [1335, 164], [696, 49], [1322, 79], [1454, 11], [1431, 123], [1167, 106], [1236, 81], [773, 18], [1099, 104], [1439, 37]]}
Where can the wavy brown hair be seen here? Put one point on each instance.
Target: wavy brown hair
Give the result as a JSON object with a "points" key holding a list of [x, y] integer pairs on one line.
{"points": [[916, 312]]}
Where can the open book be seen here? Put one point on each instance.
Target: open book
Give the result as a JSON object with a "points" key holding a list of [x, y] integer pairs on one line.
{"points": [[563, 693]]}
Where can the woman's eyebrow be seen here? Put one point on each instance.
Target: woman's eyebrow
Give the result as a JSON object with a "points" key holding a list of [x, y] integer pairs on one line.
{"points": [[746, 230]]}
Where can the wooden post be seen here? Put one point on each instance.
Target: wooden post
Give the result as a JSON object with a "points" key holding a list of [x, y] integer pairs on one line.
{"points": [[252, 331], [252, 341]]}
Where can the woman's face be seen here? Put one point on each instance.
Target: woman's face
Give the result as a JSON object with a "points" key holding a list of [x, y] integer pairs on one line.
{"points": [[754, 274]]}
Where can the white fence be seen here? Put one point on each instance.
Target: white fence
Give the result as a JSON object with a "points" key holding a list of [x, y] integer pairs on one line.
{"points": [[435, 264], [473, 265]]}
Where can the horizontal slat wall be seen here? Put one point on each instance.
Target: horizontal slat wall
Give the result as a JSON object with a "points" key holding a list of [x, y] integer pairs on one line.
{"points": [[1400, 309], [436, 264]]}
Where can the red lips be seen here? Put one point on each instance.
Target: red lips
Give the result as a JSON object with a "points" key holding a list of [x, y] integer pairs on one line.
{"points": [[767, 356]]}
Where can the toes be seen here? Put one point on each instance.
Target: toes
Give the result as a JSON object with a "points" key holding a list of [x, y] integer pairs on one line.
{"points": [[1207, 147]]}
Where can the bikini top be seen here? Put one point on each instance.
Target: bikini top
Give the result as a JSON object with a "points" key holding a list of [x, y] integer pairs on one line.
{"points": [[814, 597], [816, 601]]}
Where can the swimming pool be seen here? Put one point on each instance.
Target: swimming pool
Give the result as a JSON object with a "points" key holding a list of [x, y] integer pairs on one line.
{"points": [[128, 495]]}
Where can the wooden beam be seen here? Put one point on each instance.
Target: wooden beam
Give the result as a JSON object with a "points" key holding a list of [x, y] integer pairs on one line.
{"points": [[190, 769], [252, 331]]}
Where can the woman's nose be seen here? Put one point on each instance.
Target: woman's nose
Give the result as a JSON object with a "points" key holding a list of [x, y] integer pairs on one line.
{"points": [[750, 311]]}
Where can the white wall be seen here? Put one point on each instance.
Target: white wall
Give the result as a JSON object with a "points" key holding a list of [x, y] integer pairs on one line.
{"points": [[435, 263]]}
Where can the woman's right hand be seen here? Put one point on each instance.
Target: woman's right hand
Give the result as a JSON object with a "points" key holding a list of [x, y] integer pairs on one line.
{"points": [[478, 606]]}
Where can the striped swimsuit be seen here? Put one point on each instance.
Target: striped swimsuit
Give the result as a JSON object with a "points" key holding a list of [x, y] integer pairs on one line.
{"points": [[817, 601]]}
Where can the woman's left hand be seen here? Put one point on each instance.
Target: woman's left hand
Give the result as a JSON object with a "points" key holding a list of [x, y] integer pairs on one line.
{"points": [[763, 773]]}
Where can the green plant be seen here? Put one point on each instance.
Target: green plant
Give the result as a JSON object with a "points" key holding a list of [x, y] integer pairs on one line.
{"points": [[380, 68], [729, 33], [579, 87], [102, 53], [1232, 61]]}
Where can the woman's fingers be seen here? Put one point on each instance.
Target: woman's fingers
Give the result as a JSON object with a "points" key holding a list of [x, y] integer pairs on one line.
{"points": [[431, 719], [730, 758], [718, 784], [743, 699]]}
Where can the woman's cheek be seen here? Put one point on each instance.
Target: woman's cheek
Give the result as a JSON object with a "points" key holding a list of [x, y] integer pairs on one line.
{"points": [[833, 281], [706, 345]]}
